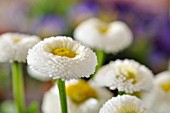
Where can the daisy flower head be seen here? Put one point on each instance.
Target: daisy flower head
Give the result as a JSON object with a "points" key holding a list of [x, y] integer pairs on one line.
{"points": [[162, 81], [158, 99], [125, 75], [82, 97], [14, 46], [124, 104], [110, 37], [62, 57]]}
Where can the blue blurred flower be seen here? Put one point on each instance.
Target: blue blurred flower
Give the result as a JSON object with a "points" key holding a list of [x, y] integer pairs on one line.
{"points": [[82, 11], [162, 40], [14, 16], [157, 61], [49, 25]]}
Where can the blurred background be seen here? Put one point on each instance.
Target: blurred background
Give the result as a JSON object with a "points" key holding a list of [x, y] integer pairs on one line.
{"points": [[148, 19]]}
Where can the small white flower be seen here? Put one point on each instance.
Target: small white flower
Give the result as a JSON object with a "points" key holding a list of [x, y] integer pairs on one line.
{"points": [[158, 99], [62, 57], [14, 46], [125, 75], [111, 37], [37, 75], [124, 104], [82, 97]]}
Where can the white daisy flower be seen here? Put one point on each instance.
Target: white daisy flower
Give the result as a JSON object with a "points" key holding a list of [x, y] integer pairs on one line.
{"points": [[37, 75], [14, 46], [82, 97], [124, 104], [158, 99], [110, 37], [62, 57], [125, 75]]}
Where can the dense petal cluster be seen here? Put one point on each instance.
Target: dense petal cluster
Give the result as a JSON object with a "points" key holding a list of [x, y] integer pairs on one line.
{"points": [[158, 99], [125, 75], [90, 105], [14, 46], [124, 104], [110, 37], [62, 57]]}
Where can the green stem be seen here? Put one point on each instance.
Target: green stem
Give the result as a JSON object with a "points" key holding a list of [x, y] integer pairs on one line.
{"points": [[121, 93], [62, 92], [100, 59], [18, 87]]}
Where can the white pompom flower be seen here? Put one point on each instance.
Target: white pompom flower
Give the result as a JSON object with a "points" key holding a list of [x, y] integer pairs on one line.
{"points": [[82, 97], [124, 104], [125, 75], [14, 46], [110, 37], [62, 57], [158, 99]]}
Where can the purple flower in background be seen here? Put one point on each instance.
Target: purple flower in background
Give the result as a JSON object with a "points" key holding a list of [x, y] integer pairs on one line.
{"points": [[14, 16], [82, 11], [157, 61], [162, 41], [49, 25]]}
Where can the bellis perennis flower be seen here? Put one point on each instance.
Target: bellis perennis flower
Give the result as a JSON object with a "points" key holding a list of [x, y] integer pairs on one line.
{"points": [[158, 99], [14, 46], [110, 37], [124, 104], [125, 75], [62, 57], [82, 97]]}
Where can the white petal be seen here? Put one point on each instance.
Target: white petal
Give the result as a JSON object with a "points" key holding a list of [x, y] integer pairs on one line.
{"points": [[37, 75]]}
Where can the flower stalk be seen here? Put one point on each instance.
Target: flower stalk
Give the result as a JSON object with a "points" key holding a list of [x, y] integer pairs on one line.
{"points": [[18, 87], [62, 92]]}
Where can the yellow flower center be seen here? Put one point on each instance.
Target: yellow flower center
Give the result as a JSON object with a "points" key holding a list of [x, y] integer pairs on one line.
{"points": [[80, 92], [166, 86], [130, 73], [16, 40], [128, 108], [102, 29], [64, 52]]}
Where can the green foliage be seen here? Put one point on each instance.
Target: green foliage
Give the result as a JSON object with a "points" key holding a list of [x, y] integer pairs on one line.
{"points": [[7, 107], [44, 7], [33, 108]]}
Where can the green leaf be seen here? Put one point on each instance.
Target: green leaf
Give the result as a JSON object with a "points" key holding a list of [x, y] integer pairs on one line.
{"points": [[33, 107]]}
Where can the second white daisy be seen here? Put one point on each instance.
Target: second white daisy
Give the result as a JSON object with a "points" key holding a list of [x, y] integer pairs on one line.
{"points": [[62, 57], [110, 37], [125, 75], [158, 99], [83, 97], [124, 104], [14, 46]]}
